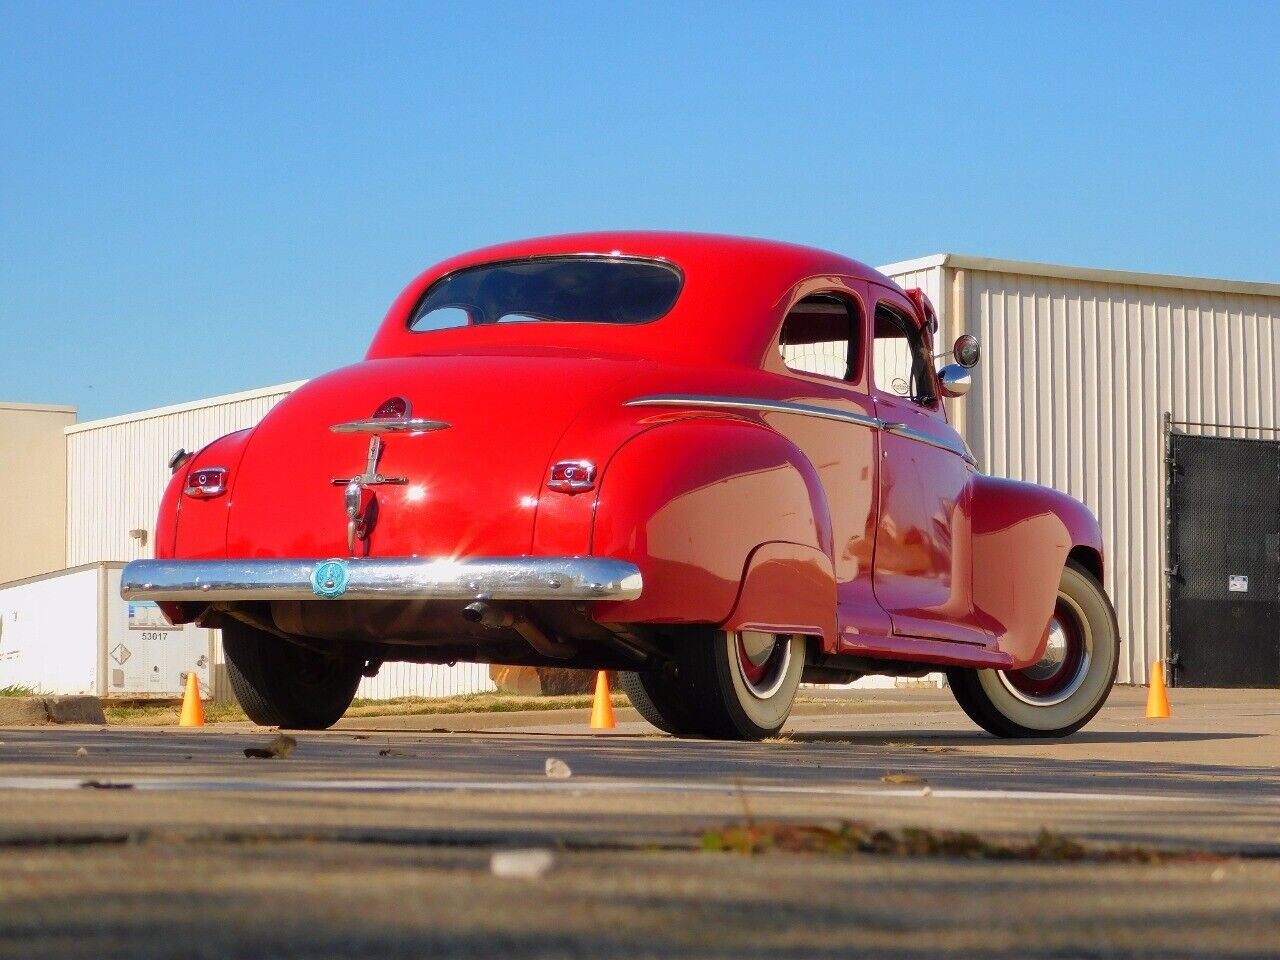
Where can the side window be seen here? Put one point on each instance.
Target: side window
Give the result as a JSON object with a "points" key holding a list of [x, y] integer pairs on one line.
{"points": [[901, 359], [820, 335]]}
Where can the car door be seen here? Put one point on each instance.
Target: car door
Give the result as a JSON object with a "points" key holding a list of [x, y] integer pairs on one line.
{"points": [[821, 355], [922, 576]]}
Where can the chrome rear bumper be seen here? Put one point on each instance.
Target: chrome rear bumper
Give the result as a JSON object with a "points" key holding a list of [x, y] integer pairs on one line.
{"points": [[382, 578]]}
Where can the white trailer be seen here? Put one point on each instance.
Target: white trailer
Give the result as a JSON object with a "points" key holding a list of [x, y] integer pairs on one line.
{"points": [[69, 632]]}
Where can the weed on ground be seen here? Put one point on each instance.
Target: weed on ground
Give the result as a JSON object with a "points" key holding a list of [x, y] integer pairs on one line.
{"points": [[854, 837], [19, 690]]}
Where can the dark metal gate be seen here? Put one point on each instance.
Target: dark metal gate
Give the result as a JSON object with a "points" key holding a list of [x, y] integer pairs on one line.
{"points": [[1224, 561]]}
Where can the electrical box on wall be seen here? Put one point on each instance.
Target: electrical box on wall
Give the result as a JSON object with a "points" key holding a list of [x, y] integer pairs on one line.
{"points": [[69, 632]]}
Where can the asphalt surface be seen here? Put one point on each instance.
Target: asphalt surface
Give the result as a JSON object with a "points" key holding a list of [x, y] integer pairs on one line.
{"points": [[378, 839]]}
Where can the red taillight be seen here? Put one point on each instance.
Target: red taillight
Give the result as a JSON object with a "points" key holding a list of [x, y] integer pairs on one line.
{"points": [[572, 476], [397, 408], [204, 483]]}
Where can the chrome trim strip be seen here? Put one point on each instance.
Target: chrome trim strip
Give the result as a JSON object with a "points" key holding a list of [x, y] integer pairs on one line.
{"points": [[902, 430], [385, 578], [803, 409], [405, 425], [748, 403]]}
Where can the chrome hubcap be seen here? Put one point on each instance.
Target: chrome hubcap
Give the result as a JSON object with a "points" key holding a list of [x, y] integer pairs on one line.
{"points": [[1063, 665], [762, 660], [1055, 653]]}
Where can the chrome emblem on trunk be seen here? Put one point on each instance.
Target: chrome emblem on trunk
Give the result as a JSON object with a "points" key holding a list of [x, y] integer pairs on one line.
{"points": [[361, 504], [329, 579]]}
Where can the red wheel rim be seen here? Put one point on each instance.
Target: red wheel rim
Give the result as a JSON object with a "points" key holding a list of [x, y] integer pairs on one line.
{"points": [[1061, 668], [763, 668]]}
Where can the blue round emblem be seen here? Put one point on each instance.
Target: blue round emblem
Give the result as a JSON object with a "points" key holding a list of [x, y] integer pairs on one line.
{"points": [[329, 579]]}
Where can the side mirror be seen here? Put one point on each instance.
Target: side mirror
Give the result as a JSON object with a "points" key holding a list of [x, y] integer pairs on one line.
{"points": [[954, 379], [967, 350]]}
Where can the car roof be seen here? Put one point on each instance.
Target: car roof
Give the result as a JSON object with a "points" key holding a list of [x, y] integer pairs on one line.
{"points": [[726, 312]]}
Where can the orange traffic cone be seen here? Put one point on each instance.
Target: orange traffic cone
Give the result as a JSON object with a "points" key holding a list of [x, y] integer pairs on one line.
{"points": [[192, 708], [602, 708], [1157, 698]]}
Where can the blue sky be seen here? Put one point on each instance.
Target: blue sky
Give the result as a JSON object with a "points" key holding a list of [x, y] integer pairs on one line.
{"points": [[201, 198]]}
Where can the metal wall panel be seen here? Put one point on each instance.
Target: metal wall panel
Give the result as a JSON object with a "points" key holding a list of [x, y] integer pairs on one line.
{"points": [[426, 680], [1075, 379], [928, 279], [116, 470]]}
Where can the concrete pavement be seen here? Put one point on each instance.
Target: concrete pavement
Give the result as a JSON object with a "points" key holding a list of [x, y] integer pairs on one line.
{"points": [[376, 842]]}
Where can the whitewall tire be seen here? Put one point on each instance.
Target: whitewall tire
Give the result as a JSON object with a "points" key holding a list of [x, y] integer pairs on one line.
{"points": [[1061, 692]]}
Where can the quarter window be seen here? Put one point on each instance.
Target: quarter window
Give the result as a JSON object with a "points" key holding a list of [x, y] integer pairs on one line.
{"points": [[902, 363], [820, 336]]}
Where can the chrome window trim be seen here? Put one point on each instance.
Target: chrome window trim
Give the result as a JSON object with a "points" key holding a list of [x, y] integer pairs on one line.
{"points": [[802, 409]]}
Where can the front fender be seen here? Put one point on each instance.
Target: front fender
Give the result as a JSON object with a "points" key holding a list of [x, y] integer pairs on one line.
{"points": [[689, 502], [1022, 536]]}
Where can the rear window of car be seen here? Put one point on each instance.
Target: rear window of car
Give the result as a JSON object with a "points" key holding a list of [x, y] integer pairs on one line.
{"points": [[583, 289]]}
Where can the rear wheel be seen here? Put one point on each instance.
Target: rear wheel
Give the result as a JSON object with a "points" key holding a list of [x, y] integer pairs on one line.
{"points": [[280, 684], [726, 685], [660, 701], [1062, 691]]}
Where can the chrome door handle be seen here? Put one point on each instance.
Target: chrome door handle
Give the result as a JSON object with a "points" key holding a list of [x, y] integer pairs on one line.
{"points": [[890, 427]]}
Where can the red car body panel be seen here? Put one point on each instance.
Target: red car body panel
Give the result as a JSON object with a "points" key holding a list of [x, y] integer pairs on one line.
{"points": [[876, 543]]}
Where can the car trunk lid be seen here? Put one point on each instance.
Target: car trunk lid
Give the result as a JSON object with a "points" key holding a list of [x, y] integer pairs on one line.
{"points": [[470, 488]]}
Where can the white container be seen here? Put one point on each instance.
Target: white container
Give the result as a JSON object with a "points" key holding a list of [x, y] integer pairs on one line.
{"points": [[69, 632]]}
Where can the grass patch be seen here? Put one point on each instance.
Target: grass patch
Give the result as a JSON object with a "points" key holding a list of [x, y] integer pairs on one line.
{"points": [[853, 837], [167, 714], [19, 690], [474, 703]]}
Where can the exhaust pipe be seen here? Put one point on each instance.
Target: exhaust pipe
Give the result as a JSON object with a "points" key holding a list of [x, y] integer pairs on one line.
{"points": [[498, 618], [486, 614]]}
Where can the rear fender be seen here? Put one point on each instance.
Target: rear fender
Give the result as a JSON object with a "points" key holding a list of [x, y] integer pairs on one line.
{"points": [[787, 588], [201, 525], [1023, 535], [166, 538], [690, 501], [187, 528]]}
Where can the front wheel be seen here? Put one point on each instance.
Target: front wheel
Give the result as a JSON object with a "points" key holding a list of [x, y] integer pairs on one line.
{"points": [[737, 685], [1061, 692], [281, 684]]}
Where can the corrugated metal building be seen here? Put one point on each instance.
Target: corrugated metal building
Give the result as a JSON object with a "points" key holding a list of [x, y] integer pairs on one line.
{"points": [[1080, 367], [116, 468]]}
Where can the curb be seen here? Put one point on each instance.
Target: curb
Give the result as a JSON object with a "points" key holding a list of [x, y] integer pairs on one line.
{"points": [[42, 711]]}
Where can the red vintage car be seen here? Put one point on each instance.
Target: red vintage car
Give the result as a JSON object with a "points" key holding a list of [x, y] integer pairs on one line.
{"points": [[719, 465]]}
